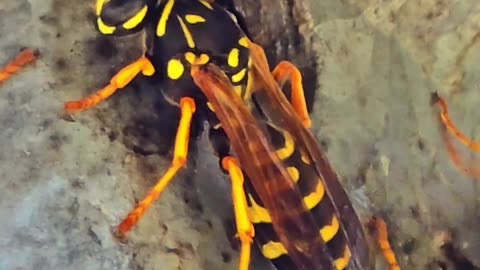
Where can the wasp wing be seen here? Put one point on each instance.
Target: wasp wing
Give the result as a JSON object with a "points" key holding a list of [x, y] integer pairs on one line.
{"points": [[296, 228], [275, 106]]}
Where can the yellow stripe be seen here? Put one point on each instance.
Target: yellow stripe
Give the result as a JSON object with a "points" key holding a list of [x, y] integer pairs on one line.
{"points": [[103, 28], [243, 42], [162, 23], [342, 263], [193, 19], [272, 250], [98, 6], [329, 231], [233, 57], [294, 174], [186, 33], [257, 213], [137, 19], [305, 158], [312, 199], [287, 150], [239, 76], [205, 3]]}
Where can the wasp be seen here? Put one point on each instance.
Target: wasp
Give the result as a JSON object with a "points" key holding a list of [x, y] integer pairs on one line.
{"points": [[285, 193]]}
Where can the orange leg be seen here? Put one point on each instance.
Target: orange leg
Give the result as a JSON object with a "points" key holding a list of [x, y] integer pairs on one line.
{"points": [[25, 57], [469, 169], [245, 230], [378, 226], [187, 107], [472, 145], [284, 71], [120, 80]]}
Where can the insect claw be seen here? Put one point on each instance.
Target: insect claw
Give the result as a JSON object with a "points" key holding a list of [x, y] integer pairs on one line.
{"points": [[121, 237]]}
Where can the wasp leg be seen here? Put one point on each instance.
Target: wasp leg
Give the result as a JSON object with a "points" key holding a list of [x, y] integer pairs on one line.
{"points": [[245, 230], [25, 57], [119, 81], [187, 107], [472, 145], [378, 226], [470, 170], [286, 70]]}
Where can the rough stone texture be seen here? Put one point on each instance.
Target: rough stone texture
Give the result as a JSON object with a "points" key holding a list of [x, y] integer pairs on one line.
{"points": [[381, 62], [64, 184]]}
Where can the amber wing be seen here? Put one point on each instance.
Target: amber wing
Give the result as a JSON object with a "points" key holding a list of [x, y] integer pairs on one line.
{"points": [[278, 110], [268, 175]]}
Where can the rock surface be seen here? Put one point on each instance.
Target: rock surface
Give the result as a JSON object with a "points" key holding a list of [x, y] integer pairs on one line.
{"points": [[64, 184]]}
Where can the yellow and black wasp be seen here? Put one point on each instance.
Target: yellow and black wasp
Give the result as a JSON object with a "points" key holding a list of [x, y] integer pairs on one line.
{"points": [[285, 194]]}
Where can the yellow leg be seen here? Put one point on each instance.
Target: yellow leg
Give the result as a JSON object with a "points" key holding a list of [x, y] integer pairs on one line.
{"points": [[187, 107], [23, 58], [380, 228], [245, 230], [120, 80], [284, 71]]}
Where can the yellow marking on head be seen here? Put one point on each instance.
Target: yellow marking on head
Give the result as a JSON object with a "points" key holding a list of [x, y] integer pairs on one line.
{"points": [[342, 263], [329, 231], [233, 57], [239, 75], [217, 126], [175, 69], [205, 3], [210, 106], [243, 42], [272, 250], [312, 199], [99, 5], [137, 19], [257, 213], [162, 23], [294, 174], [287, 150], [193, 19], [103, 28], [186, 33]]}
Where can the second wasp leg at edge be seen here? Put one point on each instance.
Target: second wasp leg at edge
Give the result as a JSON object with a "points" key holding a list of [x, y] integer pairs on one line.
{"points": [[469, 169], [380, 228], [25, 57], [286, 70], [472, 145], [187, 107], [245, 230], [120, 80]]}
